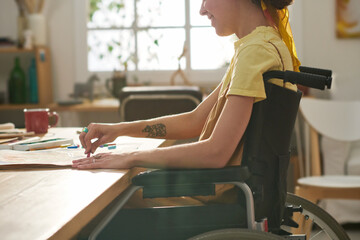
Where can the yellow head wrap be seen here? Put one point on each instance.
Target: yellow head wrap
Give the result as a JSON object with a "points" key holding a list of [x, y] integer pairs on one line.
{"points": [[280, 20]]}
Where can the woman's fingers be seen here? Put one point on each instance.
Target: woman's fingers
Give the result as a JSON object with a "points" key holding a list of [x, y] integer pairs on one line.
{"points": [[87, 140], [96, 144], [102, 132], [85, 136], [96, 161], [88, 136], [89, 166], [82, 161], [82, 140], [86, 163]]}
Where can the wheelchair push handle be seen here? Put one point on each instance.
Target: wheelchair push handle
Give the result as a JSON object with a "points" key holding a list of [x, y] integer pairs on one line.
{"points": [[309, 77], [316, 71], [308, 80]]}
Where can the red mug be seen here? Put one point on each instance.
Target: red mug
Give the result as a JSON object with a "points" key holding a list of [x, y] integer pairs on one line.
{"points": [[37, 120]]}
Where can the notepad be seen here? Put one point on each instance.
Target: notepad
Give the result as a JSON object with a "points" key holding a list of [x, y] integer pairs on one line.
{"points": [[15, 141], [43, 144], [14, 133]]}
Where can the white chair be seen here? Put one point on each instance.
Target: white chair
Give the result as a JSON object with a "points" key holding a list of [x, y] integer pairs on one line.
{"points": [[338, 124]]}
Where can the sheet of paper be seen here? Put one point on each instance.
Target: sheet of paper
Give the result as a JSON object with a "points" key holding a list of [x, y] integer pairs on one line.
{"points": [[62, 157]]}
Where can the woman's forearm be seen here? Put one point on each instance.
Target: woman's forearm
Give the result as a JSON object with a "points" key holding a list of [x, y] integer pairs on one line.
{"points": [[180, 126], [203, 154]]}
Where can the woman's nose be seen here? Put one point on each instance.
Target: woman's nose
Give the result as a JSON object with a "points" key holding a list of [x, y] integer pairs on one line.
{"points": [[202, 8]]}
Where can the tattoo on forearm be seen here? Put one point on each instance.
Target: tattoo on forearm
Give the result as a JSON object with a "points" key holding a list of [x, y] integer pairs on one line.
{"points": [[157, 130]]}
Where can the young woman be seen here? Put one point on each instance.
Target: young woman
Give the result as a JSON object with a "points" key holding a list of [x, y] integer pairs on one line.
{"points": [[265, 43]]}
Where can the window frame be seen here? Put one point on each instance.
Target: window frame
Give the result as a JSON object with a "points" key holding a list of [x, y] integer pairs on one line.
{"points": [[208, 79], [205, 78]]}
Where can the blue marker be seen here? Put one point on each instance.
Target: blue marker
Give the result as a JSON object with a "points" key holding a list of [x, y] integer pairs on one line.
{"points": [[73, 147], [111, 147]]}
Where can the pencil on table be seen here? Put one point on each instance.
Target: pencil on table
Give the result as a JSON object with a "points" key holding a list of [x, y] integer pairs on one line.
{"points": [[43, 148]]}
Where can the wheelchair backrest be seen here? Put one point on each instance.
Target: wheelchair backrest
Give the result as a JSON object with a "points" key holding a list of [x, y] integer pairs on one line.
{"points": [[266, 150], [267, 140]]}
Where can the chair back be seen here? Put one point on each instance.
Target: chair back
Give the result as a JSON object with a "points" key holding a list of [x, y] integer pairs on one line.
{"points": [[338, 120], [139, 103], [267, 150]]}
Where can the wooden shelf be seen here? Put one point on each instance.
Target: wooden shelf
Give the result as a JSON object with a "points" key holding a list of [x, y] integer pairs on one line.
{"points": [[104, 105], [20, 106], [15, 50], [43, 67]]}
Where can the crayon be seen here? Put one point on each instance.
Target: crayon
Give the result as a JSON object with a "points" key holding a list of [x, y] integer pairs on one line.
{"points": [[43, 148], [107, 145], [73, 147]]}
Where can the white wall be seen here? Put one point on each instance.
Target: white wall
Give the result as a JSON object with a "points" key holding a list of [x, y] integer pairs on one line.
{"points": [[321, 48], [313, 25], [61, 31]]}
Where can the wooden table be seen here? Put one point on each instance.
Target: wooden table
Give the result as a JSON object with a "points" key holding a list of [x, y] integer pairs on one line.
{"points": [[57, 203]]}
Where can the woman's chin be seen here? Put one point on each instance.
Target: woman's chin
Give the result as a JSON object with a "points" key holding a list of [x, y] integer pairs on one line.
{"points": [[222, 33]]}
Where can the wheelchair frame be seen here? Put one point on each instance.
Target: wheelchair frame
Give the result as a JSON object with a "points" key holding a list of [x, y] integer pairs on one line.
{"points": [[236, 175], [310, 211]]}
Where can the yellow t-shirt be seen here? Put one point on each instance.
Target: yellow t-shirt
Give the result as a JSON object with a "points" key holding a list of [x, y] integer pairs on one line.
{"points": [[260, 51], [256, 54]]}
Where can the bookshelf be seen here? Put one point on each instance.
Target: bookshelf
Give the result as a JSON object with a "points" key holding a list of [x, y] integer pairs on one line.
{"points": [[15, 50], [43, 67]]}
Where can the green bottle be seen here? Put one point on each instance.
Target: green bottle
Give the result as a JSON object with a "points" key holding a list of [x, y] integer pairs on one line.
{"points": [[33, 85], [17, 84]]}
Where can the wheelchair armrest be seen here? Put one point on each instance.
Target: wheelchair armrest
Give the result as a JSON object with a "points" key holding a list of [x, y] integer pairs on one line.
{"points": [[191, 176], [187, 182]]}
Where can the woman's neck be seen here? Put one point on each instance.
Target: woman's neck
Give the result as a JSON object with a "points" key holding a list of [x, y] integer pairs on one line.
{"points": [[254, 18]]}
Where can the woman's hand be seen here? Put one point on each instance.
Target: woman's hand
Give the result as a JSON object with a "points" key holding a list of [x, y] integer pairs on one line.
{"points": [[104, 133], [103, 160]]}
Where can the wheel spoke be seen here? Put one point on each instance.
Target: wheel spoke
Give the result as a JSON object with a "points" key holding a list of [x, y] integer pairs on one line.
{"points": [[327, 227], [321, 235]]}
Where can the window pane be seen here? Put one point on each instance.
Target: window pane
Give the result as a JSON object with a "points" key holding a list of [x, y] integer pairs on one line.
{"points": [[109, 49], [157, 13], [195, 18], [111, 13], [209, 51], [158, 49]]}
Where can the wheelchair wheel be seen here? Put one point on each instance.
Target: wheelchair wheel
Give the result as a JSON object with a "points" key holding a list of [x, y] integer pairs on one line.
{"points": [[236, 233], [314, 221]]}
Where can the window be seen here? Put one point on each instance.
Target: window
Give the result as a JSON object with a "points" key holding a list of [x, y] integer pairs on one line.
{"points": [[149, 36]]}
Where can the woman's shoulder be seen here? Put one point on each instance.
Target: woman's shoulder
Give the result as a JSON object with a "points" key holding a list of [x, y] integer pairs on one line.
{"points": [[259, 50], [265, 44]]}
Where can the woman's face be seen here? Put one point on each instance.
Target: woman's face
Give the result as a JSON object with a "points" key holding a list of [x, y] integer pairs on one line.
{"points": [[223, 15]]}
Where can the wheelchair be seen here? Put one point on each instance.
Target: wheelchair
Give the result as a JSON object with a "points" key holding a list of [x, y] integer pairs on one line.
{"points": [[264, 211]]}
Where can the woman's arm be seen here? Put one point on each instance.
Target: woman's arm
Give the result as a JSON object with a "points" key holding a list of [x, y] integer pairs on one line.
{"points": [[214, 152], [179, 126]]}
